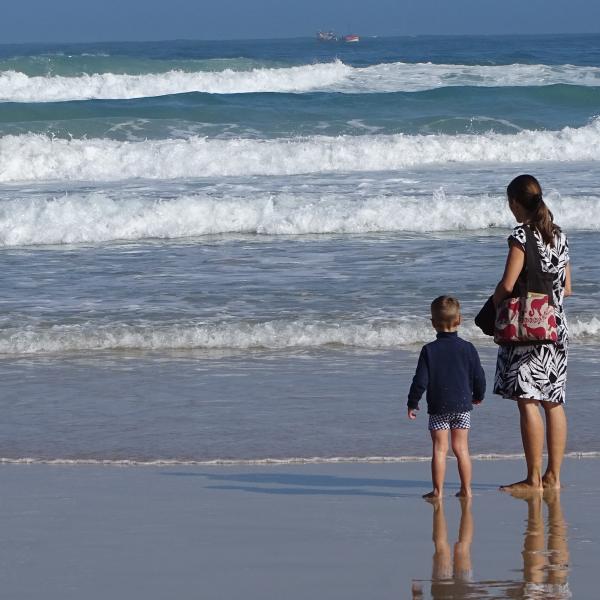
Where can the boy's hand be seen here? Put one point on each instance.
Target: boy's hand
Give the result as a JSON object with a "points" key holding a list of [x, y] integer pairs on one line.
{"points": [[412, 413], [477, 401]]}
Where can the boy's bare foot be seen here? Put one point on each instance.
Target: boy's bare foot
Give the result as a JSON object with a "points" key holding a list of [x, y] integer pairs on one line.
{"points": [[433, 495], [464, 493], [550, 482], [522, 487]]}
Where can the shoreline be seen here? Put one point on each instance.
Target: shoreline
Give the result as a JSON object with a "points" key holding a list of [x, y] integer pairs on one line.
{"points": [[266, 462]]}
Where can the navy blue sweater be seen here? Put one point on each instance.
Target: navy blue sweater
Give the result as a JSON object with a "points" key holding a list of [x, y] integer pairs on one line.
{"points": [[450, 370]]}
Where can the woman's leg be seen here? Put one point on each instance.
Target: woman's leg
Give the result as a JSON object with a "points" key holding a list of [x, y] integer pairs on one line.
{"points": [[532, 435], [534, 555], [439, 439], [556, 439], [558, 541]]}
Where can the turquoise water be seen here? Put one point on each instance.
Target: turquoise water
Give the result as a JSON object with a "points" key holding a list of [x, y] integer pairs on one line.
{"points": [[452, 110], [226, 250]]}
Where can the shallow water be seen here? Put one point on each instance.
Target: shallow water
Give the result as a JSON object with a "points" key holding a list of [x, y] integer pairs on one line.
{"points": [[227, 251]]}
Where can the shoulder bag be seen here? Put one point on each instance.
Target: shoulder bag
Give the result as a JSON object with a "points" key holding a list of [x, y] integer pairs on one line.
{"points": [[529, 316]]}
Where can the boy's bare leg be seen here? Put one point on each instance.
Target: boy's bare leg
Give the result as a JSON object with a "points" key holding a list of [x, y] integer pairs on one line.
{"points": [[460, 447], [462, 548], [442, 559], [556, 439], [438, 462], [532, 434]]}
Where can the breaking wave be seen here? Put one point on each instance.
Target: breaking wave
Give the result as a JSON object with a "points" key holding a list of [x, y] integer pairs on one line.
{"points": [[274, 335], [97, 217], [16, 86], [38, 157]]}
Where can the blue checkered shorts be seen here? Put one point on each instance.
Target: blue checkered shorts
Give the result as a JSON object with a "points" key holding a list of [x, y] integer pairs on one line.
{"points": [[453, 420]]}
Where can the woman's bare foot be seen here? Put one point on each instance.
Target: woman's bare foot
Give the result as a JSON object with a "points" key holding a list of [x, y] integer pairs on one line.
{"points": [[433, 495], [550, 482], [464, 493], [522, 487]]}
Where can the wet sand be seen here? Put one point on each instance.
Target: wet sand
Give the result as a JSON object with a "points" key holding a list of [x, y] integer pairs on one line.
{"points": [[304, 531]]}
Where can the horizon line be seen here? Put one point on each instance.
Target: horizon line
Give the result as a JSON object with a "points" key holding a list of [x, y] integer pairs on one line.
{"points": [[295, 37]]}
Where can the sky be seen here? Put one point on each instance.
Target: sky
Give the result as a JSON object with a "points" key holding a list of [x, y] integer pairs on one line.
{"points": [[116, 20]]}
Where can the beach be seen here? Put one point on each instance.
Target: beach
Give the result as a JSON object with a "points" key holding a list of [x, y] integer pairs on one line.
{"points": [[293, 531], [218, 259]]}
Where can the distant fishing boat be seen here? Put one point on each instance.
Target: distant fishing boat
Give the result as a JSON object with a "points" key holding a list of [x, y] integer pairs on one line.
{"points": [[351, 38], [327, 36]]}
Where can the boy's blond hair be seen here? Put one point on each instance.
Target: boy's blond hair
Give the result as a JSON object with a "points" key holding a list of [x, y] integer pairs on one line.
{"points": [[445, 311]]}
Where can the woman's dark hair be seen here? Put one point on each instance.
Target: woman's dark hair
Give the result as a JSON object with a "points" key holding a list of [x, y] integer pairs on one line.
{"points": [[527, 192]]}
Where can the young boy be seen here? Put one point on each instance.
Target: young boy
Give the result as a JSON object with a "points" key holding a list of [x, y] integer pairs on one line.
{"points": [[450, 370]]}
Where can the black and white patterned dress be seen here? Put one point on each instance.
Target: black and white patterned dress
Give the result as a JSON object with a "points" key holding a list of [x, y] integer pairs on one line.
{"points": [[539, 371]]}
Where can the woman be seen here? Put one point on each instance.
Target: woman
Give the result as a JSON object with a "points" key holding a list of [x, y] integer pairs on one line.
{"points": [[535, 375]]}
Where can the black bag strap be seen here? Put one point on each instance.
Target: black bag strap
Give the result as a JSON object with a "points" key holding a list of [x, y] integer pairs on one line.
{"points": [[533, 262], [535, 279]]}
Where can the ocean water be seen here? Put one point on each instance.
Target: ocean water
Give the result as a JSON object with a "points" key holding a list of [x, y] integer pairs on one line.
{"points": [[225, 251]]}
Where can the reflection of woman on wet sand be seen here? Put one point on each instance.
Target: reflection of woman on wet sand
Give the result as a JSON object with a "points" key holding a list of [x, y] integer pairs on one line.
{"points": [[545, 568], [545, 565]]}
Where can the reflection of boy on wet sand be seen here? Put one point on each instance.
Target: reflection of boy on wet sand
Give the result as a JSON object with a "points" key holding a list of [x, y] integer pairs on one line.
{"points": [[450, 578]]}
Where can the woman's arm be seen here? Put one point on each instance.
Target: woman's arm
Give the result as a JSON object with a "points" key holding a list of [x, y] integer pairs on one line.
{"points": [[512, 270], [568, 290]]}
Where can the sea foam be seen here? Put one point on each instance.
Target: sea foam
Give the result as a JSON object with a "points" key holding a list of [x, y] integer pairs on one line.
{"points": [[243, 335], [263, 462], [98, 217], [18, 87], [38, 157], [334, 76]]}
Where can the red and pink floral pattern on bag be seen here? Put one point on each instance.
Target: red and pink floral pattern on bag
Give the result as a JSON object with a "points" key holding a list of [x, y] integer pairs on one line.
{"points": [[527, 320]]}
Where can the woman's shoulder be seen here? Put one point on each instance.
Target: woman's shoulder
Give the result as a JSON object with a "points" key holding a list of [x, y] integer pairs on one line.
{"points": [[518, 235], [561, 242], [561, 236]]}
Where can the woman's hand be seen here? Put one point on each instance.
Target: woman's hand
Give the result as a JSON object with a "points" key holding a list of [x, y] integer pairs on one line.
{"points": [[512, 270]]}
